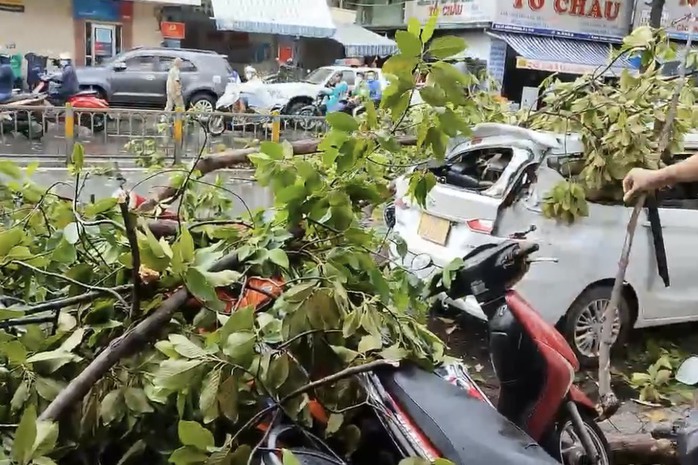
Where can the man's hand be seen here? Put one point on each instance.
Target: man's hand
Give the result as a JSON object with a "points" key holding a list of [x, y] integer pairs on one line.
{"points": [[638, 181]]}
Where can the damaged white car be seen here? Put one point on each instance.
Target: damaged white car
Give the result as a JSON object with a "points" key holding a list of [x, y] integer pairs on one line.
{"points": [[492, 187]]}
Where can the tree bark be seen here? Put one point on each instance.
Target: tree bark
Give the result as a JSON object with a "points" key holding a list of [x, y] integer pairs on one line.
{"points": [[123, 346], [642, 449]]}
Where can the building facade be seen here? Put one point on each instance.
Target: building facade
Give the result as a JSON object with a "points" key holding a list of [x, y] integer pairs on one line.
{"points": [[90, 30], [521, 41]]}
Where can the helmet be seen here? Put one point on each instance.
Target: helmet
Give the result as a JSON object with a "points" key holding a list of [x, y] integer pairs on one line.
{"points": [[250, 71]]}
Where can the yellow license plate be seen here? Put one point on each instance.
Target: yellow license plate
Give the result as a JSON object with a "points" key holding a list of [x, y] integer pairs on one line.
{"points": [[434, 229]]}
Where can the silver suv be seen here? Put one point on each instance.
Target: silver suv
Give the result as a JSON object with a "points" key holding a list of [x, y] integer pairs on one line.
{"points": [[137, 78]]}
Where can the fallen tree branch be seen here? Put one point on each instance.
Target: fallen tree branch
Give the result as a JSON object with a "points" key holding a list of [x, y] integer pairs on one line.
{"points": [[135, 253], [608, 401], [58, 304], [346, 373], [641, 449], [124, 346], [164, 228], [233, 157]]}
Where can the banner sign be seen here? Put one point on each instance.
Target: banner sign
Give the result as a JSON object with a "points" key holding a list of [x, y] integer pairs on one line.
{"points": [[675, 17], [599, 20], [451, 12]]}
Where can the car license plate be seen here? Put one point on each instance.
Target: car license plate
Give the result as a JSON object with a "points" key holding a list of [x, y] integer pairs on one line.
{"points": [[434, 229]]}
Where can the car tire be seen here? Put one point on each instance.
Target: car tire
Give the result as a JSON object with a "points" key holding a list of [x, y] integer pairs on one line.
{"points": [[295, 107], [593, 301], [203, 99]]}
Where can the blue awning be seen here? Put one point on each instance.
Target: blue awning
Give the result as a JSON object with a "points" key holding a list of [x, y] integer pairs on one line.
{"points": [[360, 42], [568, 56], [302, 18]]}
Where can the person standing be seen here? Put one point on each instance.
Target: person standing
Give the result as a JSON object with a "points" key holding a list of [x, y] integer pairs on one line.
{"points": [[375, 92], [175, 100], [6, 79]]}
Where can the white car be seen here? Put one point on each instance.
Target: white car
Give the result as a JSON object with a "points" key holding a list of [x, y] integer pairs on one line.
{"points": [[296, 95], [493, 186]]}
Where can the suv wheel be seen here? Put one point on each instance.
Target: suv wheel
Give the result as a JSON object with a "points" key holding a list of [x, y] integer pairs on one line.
{"points": [[202, 103], [583, 323]]}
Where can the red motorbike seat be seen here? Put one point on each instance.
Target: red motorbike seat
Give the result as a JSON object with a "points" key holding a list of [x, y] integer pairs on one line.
{"points": [[539, 330]]}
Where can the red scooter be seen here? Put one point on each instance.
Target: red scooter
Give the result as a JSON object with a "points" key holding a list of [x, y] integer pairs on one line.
{"points": [[534, 363], [82, 102]]}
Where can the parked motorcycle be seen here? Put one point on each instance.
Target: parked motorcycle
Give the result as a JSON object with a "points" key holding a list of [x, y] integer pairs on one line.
{"points": [[23, 121], [82, 103], [685, 432], [533, 362], [310, 114], [259, 102], [443, 414]]}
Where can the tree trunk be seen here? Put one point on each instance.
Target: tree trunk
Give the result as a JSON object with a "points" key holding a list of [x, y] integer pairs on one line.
{"points": [[656, 13], [642, 449]]}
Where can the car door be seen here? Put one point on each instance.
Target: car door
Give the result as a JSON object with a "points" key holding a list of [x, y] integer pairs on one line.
{"points": [[679, 218], [133, 81]]}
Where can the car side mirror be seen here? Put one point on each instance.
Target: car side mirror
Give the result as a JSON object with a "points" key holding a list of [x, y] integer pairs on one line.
{"points": [[120, 66]]}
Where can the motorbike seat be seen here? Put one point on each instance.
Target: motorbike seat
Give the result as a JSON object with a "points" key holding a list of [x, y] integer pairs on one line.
{"points": [[85, 92], [464, 429]]}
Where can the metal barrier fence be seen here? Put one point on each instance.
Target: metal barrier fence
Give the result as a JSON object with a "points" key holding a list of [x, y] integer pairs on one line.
{"points": [[132, 136]]}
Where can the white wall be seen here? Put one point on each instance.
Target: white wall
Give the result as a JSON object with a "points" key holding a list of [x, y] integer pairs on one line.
{"points": [[146, 30], [45, 27], [478, 43]]}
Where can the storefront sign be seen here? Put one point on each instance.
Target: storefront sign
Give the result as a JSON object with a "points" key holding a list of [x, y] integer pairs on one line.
{"points": [[602, 20], [16, 6], [451, 12], [674, 17], [170, 30], [559, 67], [99, 10]]}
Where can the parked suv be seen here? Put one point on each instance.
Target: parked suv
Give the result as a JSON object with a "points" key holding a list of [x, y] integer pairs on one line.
{"points": [[138, 78], [493, 186]]}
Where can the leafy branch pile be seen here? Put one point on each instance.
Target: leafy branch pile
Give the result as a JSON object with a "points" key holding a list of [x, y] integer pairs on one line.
{"points": [[147, 346], [619, 122]]}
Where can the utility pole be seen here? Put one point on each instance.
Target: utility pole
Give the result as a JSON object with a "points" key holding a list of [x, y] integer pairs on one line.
{"points": [[656, 13]]}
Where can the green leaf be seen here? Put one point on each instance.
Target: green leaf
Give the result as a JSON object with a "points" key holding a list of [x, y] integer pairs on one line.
{"points": [[201, 288], [273, 149], [182, 252], [414, 26], [111, 407], [101, 206], [408, 43], [400, 65], [240, 347], [137, 401], [288, 458], [25, 436], [77, 159], [185, 347], [438, 142], [278, 257], [228, 398], [240, 321], [207, 399], [639, 38], [9, 239], [20, 396], [46, 437], [368, 343], [394, 352], [450, 270], [222, 278], [135, 450], [334, 423], [191, 433], [48, 388], [279, 369], [446, 46], [187, 455], [342, 121], [10, 169], [430, 26], [434, 96]]}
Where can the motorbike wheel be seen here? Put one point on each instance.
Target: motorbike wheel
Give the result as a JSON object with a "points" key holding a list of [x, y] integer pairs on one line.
{"points": [[567, 446], [307, 116], [216, 125]]}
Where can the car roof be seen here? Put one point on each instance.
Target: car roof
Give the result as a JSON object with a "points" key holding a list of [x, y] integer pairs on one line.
{"points": [[352, 68]]}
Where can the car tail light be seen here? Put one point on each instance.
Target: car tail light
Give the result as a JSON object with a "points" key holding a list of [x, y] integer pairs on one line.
{"points": [[480, 226]]}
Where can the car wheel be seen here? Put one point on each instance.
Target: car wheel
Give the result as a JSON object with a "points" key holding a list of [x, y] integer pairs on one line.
{"points": [[216, 125], [583, 323], [295, 107], [202, 103]]}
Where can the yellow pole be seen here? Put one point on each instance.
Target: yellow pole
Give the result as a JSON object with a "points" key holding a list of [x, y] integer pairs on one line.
{"points": [[275, 126], [178, 135], [69, 131]]}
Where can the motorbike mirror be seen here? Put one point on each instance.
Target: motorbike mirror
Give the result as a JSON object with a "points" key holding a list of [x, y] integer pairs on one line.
{"points": [[120, 66], [688, 372]]}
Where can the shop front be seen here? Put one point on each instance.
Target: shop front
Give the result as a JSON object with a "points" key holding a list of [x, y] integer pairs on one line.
{"points": [[532, 39]]}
